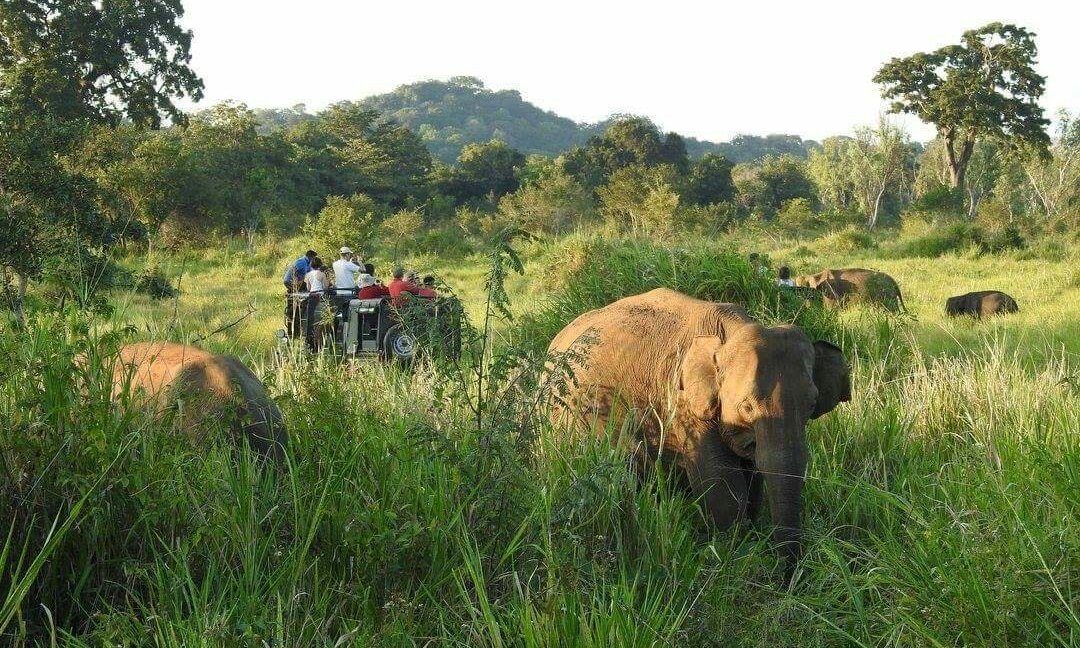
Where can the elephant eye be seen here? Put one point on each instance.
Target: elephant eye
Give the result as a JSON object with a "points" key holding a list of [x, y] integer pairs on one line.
{"points": [[746, 410]]}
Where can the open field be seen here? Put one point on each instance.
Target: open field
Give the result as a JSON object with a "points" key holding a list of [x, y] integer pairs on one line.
{"points": [[940, 504]]}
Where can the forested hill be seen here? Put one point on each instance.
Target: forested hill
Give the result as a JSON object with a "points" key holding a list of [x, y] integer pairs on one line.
{"points": [[450, 114]]}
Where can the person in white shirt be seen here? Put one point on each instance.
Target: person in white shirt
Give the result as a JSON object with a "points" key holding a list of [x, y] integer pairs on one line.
{"points": [[345, 271], [317, 284], [784, 279]]}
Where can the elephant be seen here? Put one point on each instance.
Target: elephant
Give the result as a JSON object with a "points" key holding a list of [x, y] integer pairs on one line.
{"points": [[201, 389], [712, 391], [841, 286], [980, 304]]}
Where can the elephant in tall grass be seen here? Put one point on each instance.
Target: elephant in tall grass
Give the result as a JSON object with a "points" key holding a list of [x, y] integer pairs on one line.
{"points": [[841, 286], [201, 390], [981, 304], [722, 397]]}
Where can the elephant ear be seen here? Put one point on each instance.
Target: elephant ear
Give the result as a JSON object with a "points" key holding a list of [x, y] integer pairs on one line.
{"points": [[832, 377], [699, 381]]}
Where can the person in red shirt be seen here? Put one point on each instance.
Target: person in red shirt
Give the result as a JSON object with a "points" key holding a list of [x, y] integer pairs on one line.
{"points": [[427, 290], [399, 286], [370, 288]]}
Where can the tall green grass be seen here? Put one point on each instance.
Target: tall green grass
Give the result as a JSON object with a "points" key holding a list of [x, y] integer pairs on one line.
{"points": [[940, 505]]}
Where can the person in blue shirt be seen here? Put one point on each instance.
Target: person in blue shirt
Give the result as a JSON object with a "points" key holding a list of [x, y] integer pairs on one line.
{"points": [[294, 274], [294, 281]]}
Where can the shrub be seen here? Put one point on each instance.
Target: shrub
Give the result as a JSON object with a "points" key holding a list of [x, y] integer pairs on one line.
{"points": [[554, 203], [596, 272], [709, 219], [939, 201], [850, 239], [344, 221], [152, 281], [640, 199], [797, 215]]}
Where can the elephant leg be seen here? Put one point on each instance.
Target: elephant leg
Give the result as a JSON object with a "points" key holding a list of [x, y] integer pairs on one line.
{"points": [[718, 479]]}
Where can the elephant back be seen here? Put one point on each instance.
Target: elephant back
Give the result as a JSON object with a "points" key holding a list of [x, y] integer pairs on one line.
{"points": [[200, 392]]}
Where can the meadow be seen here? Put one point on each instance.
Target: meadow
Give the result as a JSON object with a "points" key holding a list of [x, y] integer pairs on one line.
{"points": [[432, 508]]}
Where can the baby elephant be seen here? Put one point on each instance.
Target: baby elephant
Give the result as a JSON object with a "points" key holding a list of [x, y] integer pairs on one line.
{"points": [[981, 303], [201, 390]]}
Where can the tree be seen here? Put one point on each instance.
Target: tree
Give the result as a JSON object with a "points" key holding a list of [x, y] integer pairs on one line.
{"points": [[627, 141], [1056, 181], [828, 167], [485, 169], [709, 181], [553, 202], [877, 161], [344, 221], [764, 188], [985, 87], [641, 199], [64, 66]]}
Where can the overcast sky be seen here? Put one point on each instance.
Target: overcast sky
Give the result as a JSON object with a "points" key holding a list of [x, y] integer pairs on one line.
{"points": [[706, 69]]}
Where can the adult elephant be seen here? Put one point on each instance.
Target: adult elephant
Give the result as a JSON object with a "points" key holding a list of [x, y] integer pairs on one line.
{"points": [[723, 397], [201, 390], [981, 303], [843, 285]]}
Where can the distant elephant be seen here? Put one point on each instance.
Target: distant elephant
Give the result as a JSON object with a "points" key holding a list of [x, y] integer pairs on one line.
{"points": [[980, 304], [202, 390], [838, 287], [721, 396]]}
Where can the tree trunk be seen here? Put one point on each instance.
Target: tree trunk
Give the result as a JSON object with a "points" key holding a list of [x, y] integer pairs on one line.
{"points": [[957, 162], [877, 207]]}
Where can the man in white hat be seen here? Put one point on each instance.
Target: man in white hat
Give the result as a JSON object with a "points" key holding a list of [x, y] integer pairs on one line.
{"points": [[345, 271]]}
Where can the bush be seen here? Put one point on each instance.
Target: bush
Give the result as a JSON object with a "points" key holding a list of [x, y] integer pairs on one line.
{"points": [[920, 239], [709, 219], [153, 282], [344, 221], [850, 239], [596, 272], [940, 201], [641, 200], [797, 215]]}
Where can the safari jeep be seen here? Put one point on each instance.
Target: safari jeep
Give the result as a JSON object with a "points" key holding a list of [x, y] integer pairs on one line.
{"points": [[375, 328]]}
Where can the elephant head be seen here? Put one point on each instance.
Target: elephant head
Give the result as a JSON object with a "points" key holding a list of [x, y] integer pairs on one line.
{"points": [[756, 390]]}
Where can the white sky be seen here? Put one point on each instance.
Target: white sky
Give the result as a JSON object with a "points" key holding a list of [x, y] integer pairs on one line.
{"points": [[704, 69]]}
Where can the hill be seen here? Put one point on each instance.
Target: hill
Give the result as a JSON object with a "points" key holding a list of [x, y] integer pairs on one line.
{"points": [[448, 115]]}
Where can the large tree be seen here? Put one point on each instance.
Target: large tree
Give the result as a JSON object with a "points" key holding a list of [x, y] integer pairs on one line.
{"points": [[985, 87], [877, 158], [66, 65]]}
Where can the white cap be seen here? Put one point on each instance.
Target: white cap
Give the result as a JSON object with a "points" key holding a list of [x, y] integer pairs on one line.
{"points": [[366, 280], [346, 250]]}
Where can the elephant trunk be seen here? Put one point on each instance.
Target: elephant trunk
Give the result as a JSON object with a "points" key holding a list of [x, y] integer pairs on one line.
{"points": [[781, 459]]}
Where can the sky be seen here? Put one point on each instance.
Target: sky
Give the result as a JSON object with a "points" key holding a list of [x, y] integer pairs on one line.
{"points": [[710, 70]]}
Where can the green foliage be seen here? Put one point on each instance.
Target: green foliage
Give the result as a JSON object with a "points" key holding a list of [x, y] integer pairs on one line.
{"points": [[152, 281], [65, 66], [764, 188], [851, 239], [797, 215], [484, 170], [709, 181], [985, 87], [641, 200], [628, 141], [553, 203], [452, 114], [954, 238], [344, 222], [596, 272], [399, 230]]}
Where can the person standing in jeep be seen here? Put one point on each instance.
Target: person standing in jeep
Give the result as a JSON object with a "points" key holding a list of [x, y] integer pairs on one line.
{"points": [[294, 283]]}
